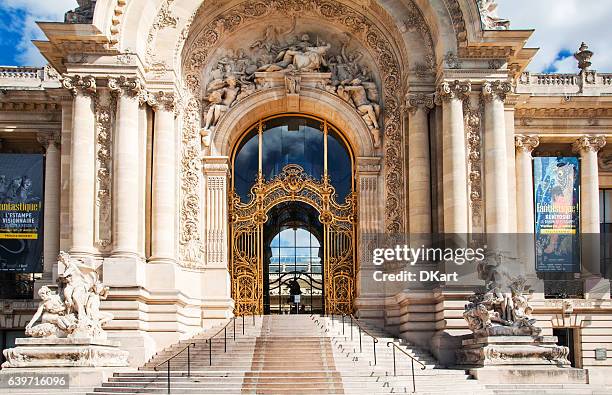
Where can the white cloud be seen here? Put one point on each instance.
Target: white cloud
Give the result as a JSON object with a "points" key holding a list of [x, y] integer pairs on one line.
{"points": [[563, 25], [25, 13]]}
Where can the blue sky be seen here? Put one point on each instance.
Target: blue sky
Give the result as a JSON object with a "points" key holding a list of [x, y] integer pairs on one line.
{"points": [[561, 25]]}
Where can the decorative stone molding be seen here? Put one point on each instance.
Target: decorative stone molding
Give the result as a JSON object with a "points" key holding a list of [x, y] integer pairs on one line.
{"points": [[472, 121], [589, 143], [373, 39], [30, 107], [449, 90], [166, 101], [605, 161], [423, 101], [46, 139], [496, 90], [105, 106], [556, 112], [452, 60], [131, 86], [163, 20], [525, 143], [79, 84]]}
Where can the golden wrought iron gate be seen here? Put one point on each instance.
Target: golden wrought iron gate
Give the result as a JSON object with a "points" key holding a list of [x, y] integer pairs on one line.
{"points": [[246, 242]]}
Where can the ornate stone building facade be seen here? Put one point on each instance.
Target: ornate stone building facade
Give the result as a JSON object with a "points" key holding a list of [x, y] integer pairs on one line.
{"points": [[144, 103]]}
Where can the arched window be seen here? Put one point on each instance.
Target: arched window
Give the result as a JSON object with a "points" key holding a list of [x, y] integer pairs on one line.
{"points": [[295, 140]]}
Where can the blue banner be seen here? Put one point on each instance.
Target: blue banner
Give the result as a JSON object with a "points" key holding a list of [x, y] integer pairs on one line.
{"points": [[21, 212], [556, 185]]}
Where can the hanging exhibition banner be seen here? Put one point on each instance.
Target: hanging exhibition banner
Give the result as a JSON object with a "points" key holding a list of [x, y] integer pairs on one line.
{"points": [[556, 186], [21, 212]]}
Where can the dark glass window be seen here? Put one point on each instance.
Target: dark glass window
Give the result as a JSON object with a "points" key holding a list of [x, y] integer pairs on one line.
{"points": [[292, 140], [605, 224]]}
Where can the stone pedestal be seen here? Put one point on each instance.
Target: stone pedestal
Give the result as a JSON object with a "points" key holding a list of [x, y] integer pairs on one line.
{"points": [[87, 362], [518, 360], [64, 352]]}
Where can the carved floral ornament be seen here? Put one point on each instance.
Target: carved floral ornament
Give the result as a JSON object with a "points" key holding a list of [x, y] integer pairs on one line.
{"points": [[496, 90], [308, 55], [449, 90], [589, 144], [526, 143], [423, 101], [79, 84]]}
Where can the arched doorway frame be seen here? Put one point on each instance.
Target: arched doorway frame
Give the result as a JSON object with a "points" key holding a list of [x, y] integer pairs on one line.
{"points": [[247, 221]]}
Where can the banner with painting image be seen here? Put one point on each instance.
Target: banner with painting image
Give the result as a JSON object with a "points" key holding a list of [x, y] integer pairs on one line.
{"points": [[21, 212], [557, 214]]}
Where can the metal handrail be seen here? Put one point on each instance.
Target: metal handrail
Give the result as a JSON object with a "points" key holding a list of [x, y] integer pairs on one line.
{"points": [[167, 361], [224, 330], [355, 321], [412, 361]]}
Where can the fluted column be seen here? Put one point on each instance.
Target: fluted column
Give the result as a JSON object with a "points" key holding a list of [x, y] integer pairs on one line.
{"points": [[419, 173], [454, 182], [588, 147], [82, 164], [51, 242], [125, 160], [524, 182], [495, 156], [163, 208]]}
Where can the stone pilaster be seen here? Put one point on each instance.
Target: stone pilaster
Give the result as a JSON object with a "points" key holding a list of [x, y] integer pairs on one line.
{"points": [[495, 157], [419, 172], [454, 174], [126, 165], [82, 164], [163, 209], [216, 175], [588, 147], [524, 182], [51, 244]]}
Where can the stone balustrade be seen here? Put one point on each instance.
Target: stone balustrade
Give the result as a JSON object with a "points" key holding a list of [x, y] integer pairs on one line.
{"points": [[31, 78], [589, 83]]}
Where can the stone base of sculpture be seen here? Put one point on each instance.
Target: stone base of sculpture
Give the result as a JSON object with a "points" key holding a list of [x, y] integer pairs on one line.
{"points": [[518, 360], [87, 362]]}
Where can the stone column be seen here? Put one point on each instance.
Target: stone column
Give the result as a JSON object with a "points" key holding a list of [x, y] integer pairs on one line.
{"points": [[163, 205], [51, 242], [454, 172], [524, 182], [126, 161], [525, 246], [419, 174], [588, 147], [82, 164], [495, 156]]}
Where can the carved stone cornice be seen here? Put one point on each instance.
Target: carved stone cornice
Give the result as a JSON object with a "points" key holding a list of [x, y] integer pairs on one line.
{"points": [[165, 101], [76, 84], [130, 86], [496, 90], [448, 90], [30, 107], [46, 139], [561, 112], [423, 101], [589, 144], [525, 143]]}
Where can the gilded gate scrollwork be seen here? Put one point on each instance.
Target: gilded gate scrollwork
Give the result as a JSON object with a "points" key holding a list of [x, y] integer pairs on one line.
{"points": [[247, 220]]}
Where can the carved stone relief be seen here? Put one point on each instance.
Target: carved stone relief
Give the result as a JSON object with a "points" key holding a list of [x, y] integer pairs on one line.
{"points": [[371, 38], [105, 106], [488, 16], [472, 119]]}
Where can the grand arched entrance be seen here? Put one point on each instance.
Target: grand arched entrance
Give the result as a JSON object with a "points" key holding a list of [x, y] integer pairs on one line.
{"points": [[292, 175]]}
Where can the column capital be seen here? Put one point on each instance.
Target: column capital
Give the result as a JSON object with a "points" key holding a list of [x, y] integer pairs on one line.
{"points": [[524, 143], [415, 101], [589, 144], [131, 86], [85, 85], [164, 101], [46, 139], [448, 90], [496, 90]]}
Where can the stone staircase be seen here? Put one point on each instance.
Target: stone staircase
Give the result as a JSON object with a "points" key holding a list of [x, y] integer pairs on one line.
{"points": [[301, 354]]}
